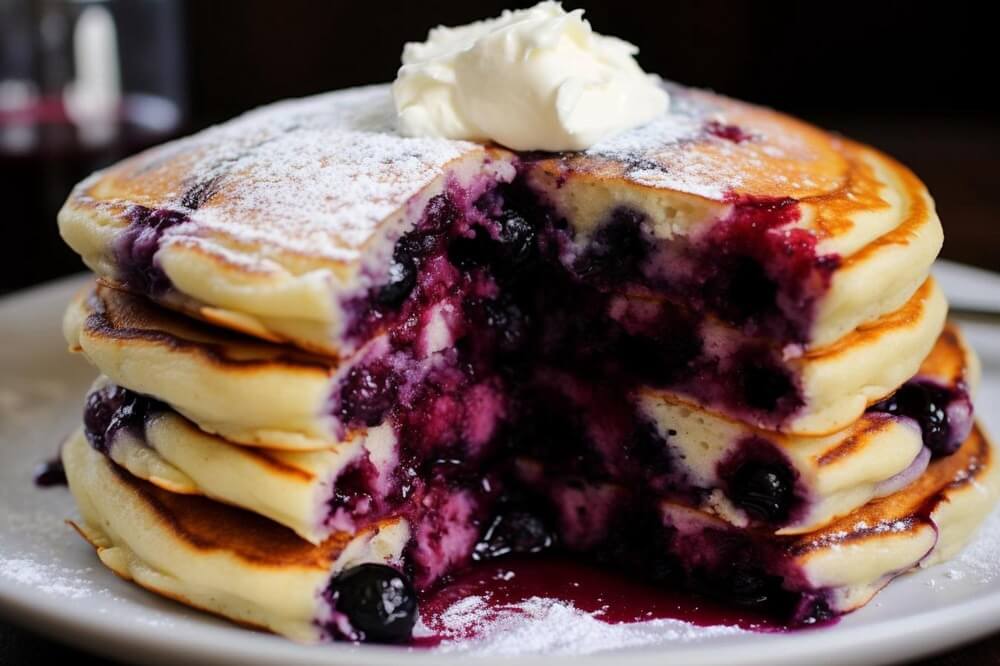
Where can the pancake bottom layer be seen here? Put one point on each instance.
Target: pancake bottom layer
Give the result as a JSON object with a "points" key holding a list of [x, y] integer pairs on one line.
{"points": [[213, 557], [244, 567]]}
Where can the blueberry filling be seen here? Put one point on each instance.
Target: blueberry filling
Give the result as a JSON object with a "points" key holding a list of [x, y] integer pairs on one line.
{"points": [[367, 394], [402, 279], [354, 495], [617, 249], [379, 603], [550, 351], [136, 248], [765, 385]]}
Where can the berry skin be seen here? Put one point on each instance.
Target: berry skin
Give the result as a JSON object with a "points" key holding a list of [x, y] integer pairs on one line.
{"points": [[763, 491], [378, 601], [514, 532]]}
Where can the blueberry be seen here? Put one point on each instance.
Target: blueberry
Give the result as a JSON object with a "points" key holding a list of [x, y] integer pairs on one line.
{"points": [[509, 322], [402, 280], [765, 385], [927, 404], [617, 248], [513, 532], [741, 289], [517, 238], [763, 491], [472, 252], [109, 409], [440, 214], [649, 450], [378, 601], [747, 586], [366, 394]]}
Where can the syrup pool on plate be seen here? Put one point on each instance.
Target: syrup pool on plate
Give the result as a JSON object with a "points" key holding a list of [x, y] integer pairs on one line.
{"points": [[560, 595]]}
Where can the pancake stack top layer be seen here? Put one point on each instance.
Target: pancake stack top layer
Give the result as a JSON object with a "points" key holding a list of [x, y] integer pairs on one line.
{"points": [[720, 325]]}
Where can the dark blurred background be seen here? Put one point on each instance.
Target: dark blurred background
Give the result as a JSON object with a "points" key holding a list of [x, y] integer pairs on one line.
{"points": [[916, 80]]}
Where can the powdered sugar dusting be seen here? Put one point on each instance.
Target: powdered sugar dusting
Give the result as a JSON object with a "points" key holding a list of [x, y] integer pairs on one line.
{"points": [[49, 577], [547, 626], [979, 559], [654, 158], [652, 152], [313, 176]]}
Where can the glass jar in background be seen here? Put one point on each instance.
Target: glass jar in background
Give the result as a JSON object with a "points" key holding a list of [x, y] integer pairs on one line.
{"points": [[82, 84]]}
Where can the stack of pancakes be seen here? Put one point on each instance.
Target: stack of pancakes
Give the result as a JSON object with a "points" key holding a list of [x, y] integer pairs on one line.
{"points": [[708, 347]]}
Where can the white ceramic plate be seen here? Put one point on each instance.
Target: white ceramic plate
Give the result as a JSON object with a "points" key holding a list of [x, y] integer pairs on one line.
{"points": [[52, 582]]}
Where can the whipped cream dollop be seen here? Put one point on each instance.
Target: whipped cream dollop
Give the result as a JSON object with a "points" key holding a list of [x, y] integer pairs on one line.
{"points": [[532, 79]]}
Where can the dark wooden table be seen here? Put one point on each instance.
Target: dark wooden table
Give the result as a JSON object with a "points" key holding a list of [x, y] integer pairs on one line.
{"points": [[19, 647]]}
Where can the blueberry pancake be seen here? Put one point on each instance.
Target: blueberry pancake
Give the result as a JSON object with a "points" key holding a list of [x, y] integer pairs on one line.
{"points": [[261, 394], [343, 357], [313, 221]]}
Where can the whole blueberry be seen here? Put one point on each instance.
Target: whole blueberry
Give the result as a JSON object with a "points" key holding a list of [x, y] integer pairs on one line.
{"points": [[402, 279], [514, 532], [517, 238], [763, 490], [378, 601], [617, 248], [927, 404], [104, 412]]}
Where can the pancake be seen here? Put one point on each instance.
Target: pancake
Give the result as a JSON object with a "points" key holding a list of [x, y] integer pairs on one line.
{"points": [[266, 395], [249, 392], [294, 488], [708, 348], [879, 454], [282, 222], [212, 557], [844, 564]]}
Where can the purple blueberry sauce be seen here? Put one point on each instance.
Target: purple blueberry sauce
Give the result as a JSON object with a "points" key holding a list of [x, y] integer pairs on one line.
{"points": [[619, 528], [606, 594], [752, 269], [758, 478], [733, 133]]}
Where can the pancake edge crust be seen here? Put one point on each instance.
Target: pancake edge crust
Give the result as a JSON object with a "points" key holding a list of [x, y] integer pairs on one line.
{"points": [[247, 391]]}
